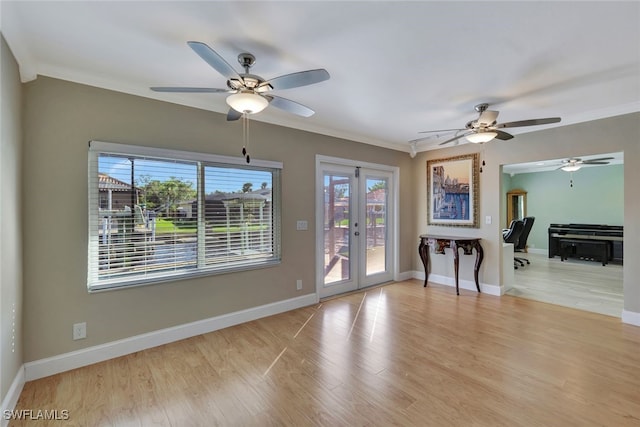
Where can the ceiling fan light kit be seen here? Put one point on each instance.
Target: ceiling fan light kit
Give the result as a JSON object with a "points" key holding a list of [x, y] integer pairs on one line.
{"points": [[247, 102], [481, 137], [571, 168]]}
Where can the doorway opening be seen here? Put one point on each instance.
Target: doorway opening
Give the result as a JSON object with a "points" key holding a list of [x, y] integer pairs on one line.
{"points": [[566, 197]]}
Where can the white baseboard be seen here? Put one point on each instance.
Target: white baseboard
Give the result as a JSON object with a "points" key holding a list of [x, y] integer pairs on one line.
{"points": [[631, 317], [88, 356], [462, 283], [406, 275], [11, 398]]}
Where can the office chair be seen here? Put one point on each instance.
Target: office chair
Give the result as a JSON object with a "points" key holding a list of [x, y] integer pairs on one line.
{"points": [[522, 240], [512, 235]]}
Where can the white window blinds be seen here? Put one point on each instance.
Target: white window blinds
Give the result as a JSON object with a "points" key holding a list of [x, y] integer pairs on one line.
{"points": [[157, 215]]}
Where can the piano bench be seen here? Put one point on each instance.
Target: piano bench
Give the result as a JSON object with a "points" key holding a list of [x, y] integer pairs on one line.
{"points": [[585, 248]]}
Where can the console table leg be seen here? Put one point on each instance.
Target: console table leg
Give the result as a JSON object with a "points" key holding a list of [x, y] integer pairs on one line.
{"points": [[456, 264], [423, 250], [476, 268]]}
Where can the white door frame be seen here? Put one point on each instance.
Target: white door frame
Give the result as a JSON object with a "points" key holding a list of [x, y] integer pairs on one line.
{"points": [[394, 206]]}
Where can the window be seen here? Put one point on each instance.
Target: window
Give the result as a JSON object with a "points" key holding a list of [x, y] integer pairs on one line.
{"points": [[158, 215]]}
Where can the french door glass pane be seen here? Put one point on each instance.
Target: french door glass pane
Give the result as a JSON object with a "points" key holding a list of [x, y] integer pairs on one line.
{"points": [[376, 225], [337, 248]]}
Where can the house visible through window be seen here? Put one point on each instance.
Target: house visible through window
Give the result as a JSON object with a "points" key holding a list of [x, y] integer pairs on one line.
{"points": [[157, 215]]}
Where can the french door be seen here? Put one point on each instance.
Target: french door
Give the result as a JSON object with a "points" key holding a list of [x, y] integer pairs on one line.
{"points": [[355, 232]]}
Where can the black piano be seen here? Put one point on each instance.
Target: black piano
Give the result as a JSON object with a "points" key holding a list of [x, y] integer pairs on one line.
{"points": [[602, 243]]}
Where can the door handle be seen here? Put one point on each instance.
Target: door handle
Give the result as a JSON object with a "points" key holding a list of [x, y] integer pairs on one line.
{"points": [[357, 233]]}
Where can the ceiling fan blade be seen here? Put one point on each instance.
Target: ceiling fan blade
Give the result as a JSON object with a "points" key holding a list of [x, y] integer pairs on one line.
{"points": [[440, 130], [589, 162], [233, 115], [289, 81], [413, 141], [531, 122], [289, 106], [190, 89], [487, 117], [212, 58], [502, 135], [455, 137], [598, 160]]}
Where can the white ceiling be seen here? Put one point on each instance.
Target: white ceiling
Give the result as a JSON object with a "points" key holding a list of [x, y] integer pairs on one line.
{"points": [[397, 68]]}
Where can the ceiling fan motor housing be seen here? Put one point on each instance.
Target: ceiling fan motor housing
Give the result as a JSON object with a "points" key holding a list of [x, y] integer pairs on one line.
{"points": [[249, 81]]}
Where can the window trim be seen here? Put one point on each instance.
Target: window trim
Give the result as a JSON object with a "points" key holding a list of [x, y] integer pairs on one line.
{"points": [[203, 159]]}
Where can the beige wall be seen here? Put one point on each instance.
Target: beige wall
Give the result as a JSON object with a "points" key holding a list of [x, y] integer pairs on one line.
{"points": [[10, 221], [61, 117], [621, 133]]}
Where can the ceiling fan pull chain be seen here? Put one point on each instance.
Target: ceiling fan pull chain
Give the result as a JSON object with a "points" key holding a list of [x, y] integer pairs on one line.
{"points": [[245, 137], [244, 134]]}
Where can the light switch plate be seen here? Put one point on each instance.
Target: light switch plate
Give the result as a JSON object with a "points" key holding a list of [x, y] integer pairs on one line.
{"points": [[487, 219], [302, 225]]}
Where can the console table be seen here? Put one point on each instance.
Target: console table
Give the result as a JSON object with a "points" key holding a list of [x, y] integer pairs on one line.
{"points": [[439, 243]]}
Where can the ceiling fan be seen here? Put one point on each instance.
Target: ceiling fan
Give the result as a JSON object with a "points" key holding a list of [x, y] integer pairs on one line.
{"points": [[485, 128], [249, 93], [575, 163]]}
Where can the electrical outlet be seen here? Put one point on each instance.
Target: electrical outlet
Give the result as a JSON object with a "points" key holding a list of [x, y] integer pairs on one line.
{"points": [[79, 331], [302, 225], [299, 284]]}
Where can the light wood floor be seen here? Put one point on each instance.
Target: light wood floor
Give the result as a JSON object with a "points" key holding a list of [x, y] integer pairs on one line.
{"points": [[586, 285], [398, 354]]}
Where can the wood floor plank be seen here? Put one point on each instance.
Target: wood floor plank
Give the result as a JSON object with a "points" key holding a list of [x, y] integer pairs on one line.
{"points": [[398, 354]]}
